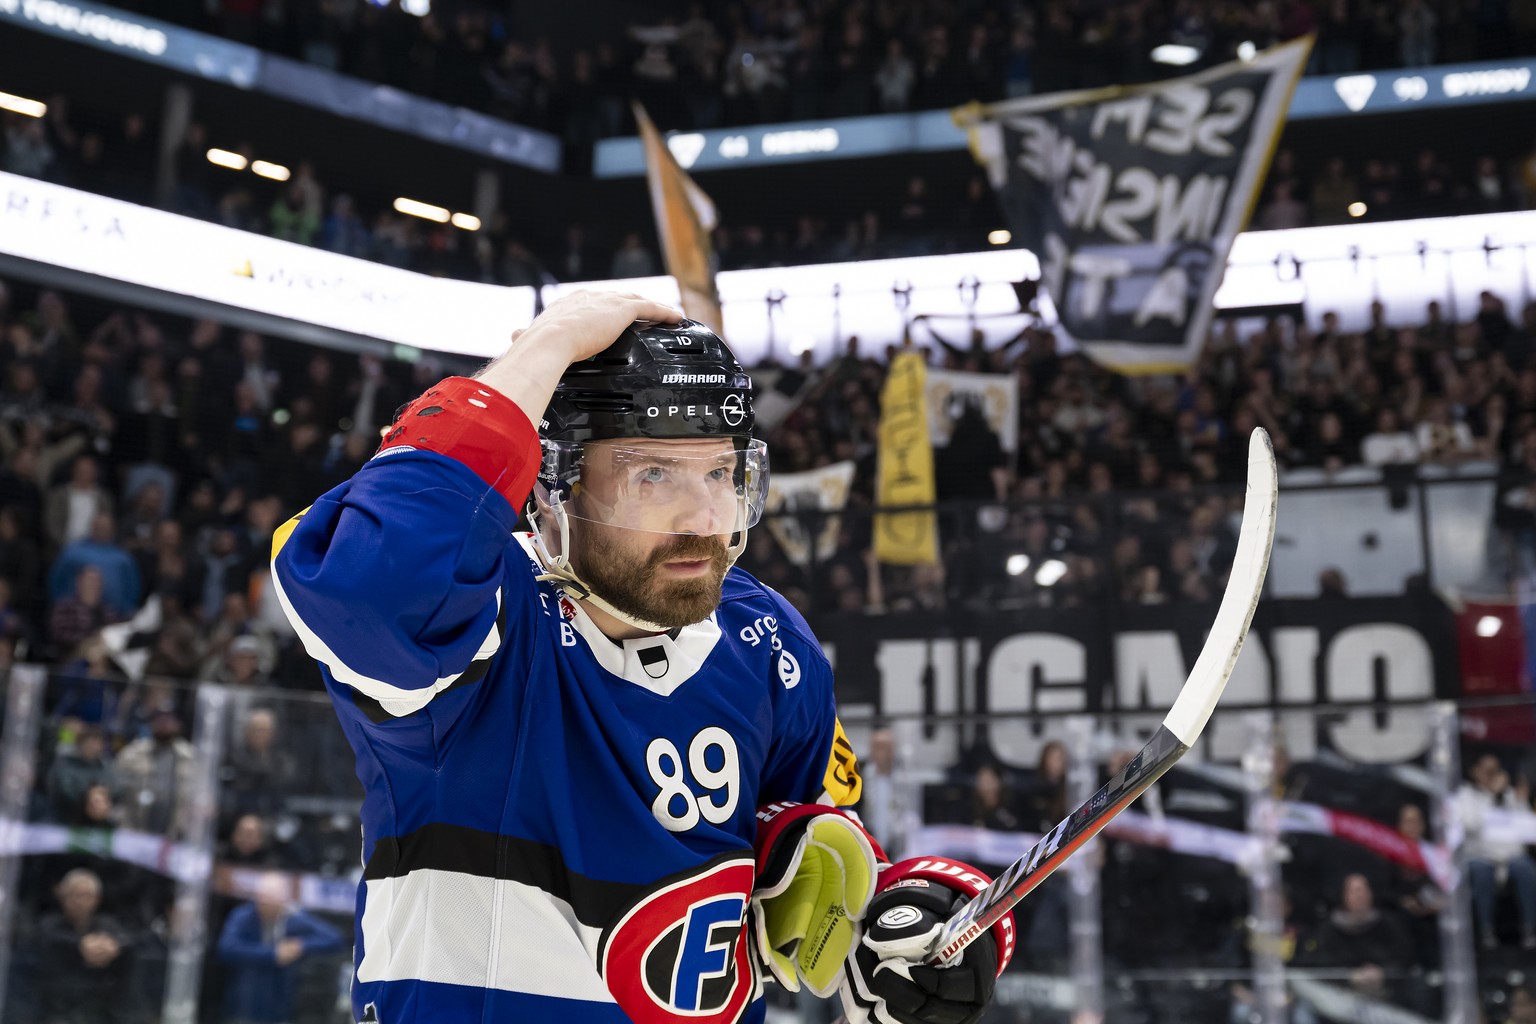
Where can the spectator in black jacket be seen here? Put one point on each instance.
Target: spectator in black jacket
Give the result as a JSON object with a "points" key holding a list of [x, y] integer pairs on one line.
{"points": [[86, 954], [1374, 947]]}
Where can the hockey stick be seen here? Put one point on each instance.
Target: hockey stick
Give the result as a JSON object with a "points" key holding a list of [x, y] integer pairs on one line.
{"points": [[1178, 732]]}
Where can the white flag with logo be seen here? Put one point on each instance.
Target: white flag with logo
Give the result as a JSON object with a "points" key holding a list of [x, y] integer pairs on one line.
{"points": [[953, 396], [797, 507]]}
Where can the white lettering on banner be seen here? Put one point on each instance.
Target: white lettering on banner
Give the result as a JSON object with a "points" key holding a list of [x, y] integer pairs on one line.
{"points": [[1139, 187], [1027, 673], [1032, 673], [1094, 274], [1178, 120], [1410, 88], [798, 141], [1183, 123], [1497, 82], [107, 29], [1090, 197], [1149, 673], [1134, 113], [1249, 684], [734, 147], [923, 677], [1233, 109], [1355, 658], [1167, 299], [1295, 655]]}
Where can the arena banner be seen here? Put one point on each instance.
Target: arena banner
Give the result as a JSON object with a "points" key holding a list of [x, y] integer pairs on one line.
{"points": [[91, 243], [905, 474], [953, 394], [979, 680], [684, 218], [1198, 839], [176, 860], [816, 490], [1381, 839], [1132, 197]]}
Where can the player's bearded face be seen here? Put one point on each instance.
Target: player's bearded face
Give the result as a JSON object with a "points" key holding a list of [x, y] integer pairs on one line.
{"points": [[630, 569], [649, 525]]}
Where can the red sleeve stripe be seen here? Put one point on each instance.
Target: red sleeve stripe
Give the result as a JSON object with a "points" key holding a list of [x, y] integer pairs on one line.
{"points": [[477, 425]]}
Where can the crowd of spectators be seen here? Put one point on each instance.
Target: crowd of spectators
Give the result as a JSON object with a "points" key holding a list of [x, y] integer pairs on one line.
{"points": [[1337, 191], [1133, 484], [1352, 917], [146, 464], [770, 61], [754, 61], [116, 157], [147, 461]]}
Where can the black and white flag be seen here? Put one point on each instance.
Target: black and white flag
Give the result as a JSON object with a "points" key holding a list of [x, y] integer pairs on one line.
{"points": [[1131, 197], [797, 507]]}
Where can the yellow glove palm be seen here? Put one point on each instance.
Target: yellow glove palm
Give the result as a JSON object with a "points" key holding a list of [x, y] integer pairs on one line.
{"points": [[805, 920]]}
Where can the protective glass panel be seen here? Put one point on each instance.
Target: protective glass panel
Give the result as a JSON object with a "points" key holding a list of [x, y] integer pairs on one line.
{"points": [[108, 829], [1357, 807], [287, 864]]}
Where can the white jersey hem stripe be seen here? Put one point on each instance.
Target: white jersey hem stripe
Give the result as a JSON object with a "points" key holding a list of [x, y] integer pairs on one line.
{"points": [[462, 929]]}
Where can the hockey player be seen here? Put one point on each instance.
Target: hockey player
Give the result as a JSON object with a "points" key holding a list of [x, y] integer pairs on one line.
{"points": [[602, 767]]}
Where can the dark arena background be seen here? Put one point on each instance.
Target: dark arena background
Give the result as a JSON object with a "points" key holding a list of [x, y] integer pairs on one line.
{"points": [[236, 235]]}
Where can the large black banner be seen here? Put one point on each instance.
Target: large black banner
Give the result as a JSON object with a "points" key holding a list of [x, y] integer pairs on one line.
{"points": [[997, 684], [1131, 198]]}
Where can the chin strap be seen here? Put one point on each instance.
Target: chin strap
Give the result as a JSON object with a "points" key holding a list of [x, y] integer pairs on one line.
{"points": [[558, 569]]}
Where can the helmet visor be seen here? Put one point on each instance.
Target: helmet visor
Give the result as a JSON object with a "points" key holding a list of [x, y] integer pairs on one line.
{"points": [[708, 486]]}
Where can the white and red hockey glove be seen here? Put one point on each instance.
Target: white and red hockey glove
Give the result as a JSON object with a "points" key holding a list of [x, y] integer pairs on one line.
{"points": [[885, 980], [815, 875]]}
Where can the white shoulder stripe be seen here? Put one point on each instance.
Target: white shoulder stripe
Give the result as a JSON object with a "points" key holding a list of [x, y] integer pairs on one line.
{"points": [[462, 929], [397, 700]]}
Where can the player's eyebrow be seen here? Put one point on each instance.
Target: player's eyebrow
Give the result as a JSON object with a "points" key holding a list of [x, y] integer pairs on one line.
{"points": [[714, 458]]}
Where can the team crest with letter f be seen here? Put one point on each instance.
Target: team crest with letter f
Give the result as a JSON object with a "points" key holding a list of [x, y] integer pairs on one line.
{"points": [[680, 953]]}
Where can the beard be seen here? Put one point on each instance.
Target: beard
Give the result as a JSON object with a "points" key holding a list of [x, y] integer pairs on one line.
{"points": [[636, 587]]}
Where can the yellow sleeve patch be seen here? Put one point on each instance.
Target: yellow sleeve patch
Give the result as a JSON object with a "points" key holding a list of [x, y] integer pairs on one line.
{"points": [[281, 534], [842, 780]]}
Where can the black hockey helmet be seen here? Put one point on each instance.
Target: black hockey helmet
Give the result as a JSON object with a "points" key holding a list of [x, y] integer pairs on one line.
{"points": [[657, 380], [666, 413]]}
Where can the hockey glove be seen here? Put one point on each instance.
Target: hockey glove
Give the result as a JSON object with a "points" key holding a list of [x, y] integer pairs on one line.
{"points": [[815, 875], [886, 981]]}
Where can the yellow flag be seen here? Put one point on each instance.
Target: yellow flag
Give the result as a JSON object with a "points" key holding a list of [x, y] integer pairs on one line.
{"points": [[906, 466], [684, 218]]}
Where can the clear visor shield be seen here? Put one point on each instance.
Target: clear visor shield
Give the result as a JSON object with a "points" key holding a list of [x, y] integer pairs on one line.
{"points": [[713, 486]]}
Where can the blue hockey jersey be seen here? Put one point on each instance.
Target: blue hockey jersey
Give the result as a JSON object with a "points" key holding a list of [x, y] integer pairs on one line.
{"points": [[556, 826]]}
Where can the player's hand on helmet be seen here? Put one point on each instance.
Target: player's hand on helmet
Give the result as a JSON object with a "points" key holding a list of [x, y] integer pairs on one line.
{"points": [[574, 327], [582, 323], [885, 979]]}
